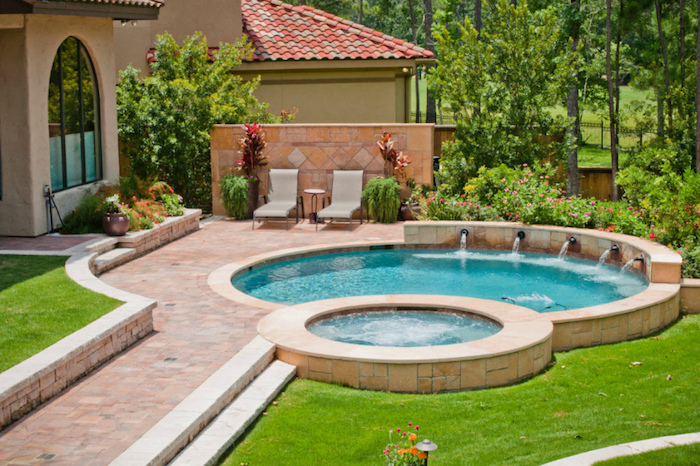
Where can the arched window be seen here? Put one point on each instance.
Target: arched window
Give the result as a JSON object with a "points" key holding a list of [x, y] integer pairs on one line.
{"points": [[74, 125]]}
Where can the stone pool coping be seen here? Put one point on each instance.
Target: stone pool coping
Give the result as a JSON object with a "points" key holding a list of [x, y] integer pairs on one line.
{"points": [[521, 349]]}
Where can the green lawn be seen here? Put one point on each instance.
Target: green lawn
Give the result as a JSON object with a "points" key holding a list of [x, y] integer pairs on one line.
{"points": [[688, 455], [594, 156], [39, 305], [591, 398]]}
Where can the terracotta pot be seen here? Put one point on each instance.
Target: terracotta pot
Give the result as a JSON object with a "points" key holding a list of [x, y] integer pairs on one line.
{"points": [[115, 224], [253, 190], [409, 211]]}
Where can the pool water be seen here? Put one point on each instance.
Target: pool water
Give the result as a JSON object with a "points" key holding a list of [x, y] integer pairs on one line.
{"points": [[404, 328], [540, 282]]}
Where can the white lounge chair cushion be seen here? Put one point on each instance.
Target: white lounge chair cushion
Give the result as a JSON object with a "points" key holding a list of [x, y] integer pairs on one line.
{"points": [[274, 209], [339, 210]]}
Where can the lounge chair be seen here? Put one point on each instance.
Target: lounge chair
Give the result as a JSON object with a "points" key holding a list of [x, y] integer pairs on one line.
{"points": [[281, 197], [347, 197]]}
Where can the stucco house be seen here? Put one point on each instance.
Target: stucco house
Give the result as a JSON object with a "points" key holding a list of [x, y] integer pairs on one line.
{"points": [[58, 119], [332, 70]]}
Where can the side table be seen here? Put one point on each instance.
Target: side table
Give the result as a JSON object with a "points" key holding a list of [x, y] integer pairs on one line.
{"points": [[314, 204]]}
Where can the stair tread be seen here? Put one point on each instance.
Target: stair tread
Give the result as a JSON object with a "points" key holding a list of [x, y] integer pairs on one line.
{"points": [[232, 422]]}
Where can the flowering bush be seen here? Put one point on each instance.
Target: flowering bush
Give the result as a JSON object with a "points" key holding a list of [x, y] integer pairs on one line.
{"points": [[112, 205], [403, 451]]}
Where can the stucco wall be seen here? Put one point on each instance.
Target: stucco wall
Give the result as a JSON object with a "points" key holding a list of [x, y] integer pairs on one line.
{"points": [[219, 20], [26, 56], [335, 95], [317, 150]]}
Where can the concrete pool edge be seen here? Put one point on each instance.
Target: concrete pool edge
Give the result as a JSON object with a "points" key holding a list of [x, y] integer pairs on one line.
{"points": [[637, 316], [520, 350]]}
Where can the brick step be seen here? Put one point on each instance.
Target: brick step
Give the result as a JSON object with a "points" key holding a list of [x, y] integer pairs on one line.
{"points": [[102, 245], [177, 428], [113, 258], [210, 445]]}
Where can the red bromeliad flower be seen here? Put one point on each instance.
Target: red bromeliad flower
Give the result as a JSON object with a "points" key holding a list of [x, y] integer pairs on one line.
{"points": [[252, 145]]}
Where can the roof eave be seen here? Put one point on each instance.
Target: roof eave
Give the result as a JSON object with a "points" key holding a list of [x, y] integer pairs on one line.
{"points": [[90, 9]]}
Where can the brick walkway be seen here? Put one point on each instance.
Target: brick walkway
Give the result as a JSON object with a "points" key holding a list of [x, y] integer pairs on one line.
{"points": [[43, 243], [196, 331]]}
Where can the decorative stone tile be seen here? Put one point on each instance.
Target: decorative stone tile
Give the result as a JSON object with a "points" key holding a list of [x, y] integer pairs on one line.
{"points": [[363, 158], [296, 158]]}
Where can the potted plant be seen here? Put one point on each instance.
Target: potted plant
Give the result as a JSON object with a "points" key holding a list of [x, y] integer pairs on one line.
{"points": [[116, 219], [383, 199], [394, 162], [410, 206], [252, 145], [234, 195]]}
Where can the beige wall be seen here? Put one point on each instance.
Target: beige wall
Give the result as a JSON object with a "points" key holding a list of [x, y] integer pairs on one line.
{"points": [[374, 95], [26, 56], [317, 150], [219, 20]]}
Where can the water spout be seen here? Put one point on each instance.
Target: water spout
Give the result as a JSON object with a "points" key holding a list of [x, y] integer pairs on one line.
{"points": [[463, 239], [565, 247], [516, 245], [603, 257], [628, 265]]}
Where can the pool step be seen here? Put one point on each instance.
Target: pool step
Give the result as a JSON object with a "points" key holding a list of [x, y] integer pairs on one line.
{"points": [[177, 428], [112, 258], [209, 446]]}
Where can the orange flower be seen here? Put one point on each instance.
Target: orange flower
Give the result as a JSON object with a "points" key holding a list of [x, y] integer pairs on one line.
{"points": [[414, 450], [402, 451], [412, 437], [422, 455]]}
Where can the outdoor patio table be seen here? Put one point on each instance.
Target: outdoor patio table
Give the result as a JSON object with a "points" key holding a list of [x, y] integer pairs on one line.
{"points": [[314, 203]]}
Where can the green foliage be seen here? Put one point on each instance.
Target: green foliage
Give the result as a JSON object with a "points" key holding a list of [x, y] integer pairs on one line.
{"points": [[383, 199], [165, 119], [511, 75], [234, 195], [87, 217], [40, 304]]}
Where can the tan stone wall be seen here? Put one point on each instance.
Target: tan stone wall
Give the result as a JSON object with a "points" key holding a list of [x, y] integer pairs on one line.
{"points": [[317, 150], [433, 377], [26, 56], [33, 391]]}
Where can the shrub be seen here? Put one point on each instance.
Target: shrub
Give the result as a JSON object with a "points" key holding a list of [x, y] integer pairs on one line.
{"points": [[383, 196], [234, 195], [87, 217], [690, 267]]}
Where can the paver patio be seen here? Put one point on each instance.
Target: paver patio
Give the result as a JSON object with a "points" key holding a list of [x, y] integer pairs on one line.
{"points": [[196, 332]]}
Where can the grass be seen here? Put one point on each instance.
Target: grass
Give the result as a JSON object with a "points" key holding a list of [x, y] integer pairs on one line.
{"points": [[39, 305], [591, 398], [687, 455], [594, 156]]}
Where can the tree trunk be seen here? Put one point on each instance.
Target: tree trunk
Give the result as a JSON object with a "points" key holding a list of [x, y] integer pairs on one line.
{"points": [[660, 119], [430, 115], [664, 55], [572, 112], [361, 5], [697, 97], [477, 18], [681, 21], [414, 32], [611, 104], [614, 158]]}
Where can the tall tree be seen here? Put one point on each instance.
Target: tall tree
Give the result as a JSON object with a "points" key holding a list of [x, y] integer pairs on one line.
{"points": [[572, 106], [664, 56], [611, 104], [477, 18], [697, 96], [681, 22], [430, 114]]}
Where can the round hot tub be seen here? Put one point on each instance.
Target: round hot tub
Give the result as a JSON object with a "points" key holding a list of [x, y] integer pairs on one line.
{"points": [[516, 345]]}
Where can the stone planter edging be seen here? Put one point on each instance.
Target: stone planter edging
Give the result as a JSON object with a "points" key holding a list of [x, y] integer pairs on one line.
{"points": [[171, 228], [41, 377]]}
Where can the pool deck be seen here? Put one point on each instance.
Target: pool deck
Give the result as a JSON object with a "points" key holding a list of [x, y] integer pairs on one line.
{"points": [[99, 417]]}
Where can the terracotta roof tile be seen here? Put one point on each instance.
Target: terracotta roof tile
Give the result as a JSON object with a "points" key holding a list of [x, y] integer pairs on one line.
{"points": [[279, 31]]}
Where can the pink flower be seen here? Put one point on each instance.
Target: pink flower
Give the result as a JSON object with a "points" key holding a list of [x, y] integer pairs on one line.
{"points": [[652, 235], [588, 213], [410, 424], [515, 193], [529, 204], [442, 201]]}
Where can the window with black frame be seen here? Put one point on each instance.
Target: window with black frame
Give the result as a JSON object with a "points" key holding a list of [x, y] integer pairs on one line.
{"points": [[74, 126]]}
